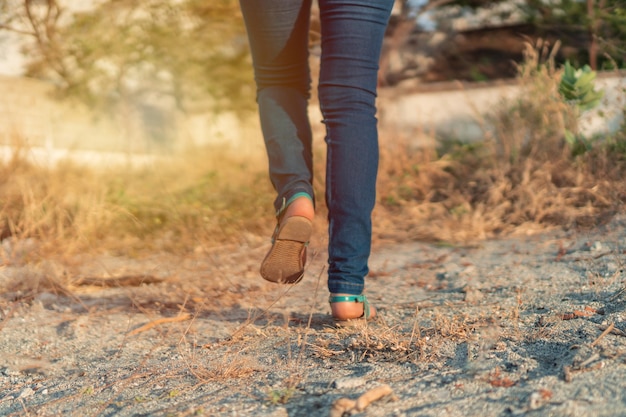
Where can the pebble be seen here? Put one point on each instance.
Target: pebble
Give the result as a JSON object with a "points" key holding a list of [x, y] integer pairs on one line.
{"points": [[28, 391], [348, 382], [535, 401], [11, 372], [472, 295], [47, 298], [596, 246]]}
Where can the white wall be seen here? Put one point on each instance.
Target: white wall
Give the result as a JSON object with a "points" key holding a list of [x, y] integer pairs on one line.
{"points": [[31, 118], [457, 112], [28, 113]]}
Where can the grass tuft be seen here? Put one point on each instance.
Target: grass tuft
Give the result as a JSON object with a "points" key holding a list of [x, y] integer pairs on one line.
{"points": [[197, 201], [524, 176]]}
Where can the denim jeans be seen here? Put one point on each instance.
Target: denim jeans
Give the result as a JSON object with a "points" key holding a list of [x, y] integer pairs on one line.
{"points": [[352, 35]]}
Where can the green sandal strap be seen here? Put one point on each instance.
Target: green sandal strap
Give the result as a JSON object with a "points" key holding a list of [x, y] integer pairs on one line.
{"points": [[352, 298], [286, 203]]}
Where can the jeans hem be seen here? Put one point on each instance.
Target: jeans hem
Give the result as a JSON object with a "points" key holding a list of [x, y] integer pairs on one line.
{"points": [[345, 288]]}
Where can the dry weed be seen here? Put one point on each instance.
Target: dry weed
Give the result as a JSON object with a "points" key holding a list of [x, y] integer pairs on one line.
{"points": [[425, 341], [522, 177], [233, 365], [187, 203]]}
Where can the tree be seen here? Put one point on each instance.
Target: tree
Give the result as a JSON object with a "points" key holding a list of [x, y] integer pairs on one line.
{"points": [[131, 51], [408, 51], [40, 22], [589, 31], [602, 21]]}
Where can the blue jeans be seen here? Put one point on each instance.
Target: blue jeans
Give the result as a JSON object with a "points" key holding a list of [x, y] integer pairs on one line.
{"points": [[352, 35]]}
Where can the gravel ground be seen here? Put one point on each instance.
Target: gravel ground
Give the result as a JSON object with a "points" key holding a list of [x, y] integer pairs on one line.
{"points": [[531, 325]]}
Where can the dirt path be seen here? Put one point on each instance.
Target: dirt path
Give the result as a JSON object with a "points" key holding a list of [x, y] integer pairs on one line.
{"points": [[520, 326]]}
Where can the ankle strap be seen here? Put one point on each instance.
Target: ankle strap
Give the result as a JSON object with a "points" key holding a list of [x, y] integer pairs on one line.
{"points": [[286, 202], [347, 298], [352, 298]]}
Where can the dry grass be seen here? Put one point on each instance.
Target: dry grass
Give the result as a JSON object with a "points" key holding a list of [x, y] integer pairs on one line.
{"points": [[522, 178], [201, 200]]}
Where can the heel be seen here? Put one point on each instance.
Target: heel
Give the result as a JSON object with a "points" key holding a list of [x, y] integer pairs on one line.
{"points": [[352, 299]]}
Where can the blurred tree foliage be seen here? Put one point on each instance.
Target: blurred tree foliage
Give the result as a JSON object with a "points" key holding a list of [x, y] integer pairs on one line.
{"points": [[195, 54], [192, 53], [603, 22]]}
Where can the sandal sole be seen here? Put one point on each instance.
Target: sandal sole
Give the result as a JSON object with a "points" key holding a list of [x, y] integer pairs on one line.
{"points": [[352, 323], [284, 263]]}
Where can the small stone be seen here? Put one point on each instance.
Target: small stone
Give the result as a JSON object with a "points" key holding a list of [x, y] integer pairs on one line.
{"points": [[469, 270], [472, 295], [47, 298], [348, 383], [28, 391], [442, 276], [596, 247], [535, 401], [10, 372]]}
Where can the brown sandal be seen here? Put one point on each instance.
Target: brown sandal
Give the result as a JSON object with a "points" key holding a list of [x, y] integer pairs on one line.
{"points": [[284, 263]]}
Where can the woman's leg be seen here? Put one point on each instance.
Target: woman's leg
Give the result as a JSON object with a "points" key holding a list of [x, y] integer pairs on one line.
{"points": [[352, 36], [278, 37]]}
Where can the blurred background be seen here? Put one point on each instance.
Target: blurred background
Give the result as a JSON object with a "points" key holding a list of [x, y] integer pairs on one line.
{"points": [[495, 116], [160, 76]]}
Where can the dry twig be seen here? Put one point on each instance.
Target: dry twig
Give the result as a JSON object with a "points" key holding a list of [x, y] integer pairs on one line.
{"points": [[606, 331], [614, 330], [154, 323], [344, 406], [116, 282]]}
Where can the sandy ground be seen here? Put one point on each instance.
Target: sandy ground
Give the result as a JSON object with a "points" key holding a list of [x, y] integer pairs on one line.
{"points": [[531, 325]]}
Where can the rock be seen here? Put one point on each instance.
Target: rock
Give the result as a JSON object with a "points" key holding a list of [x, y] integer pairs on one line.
{"points": [[596, 247], [28, 391], [472, 295], [348, 383]]}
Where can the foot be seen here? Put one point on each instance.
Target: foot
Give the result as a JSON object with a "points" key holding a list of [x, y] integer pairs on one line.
{"points": [[301, 206], [349, 310], [285, 261]]}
